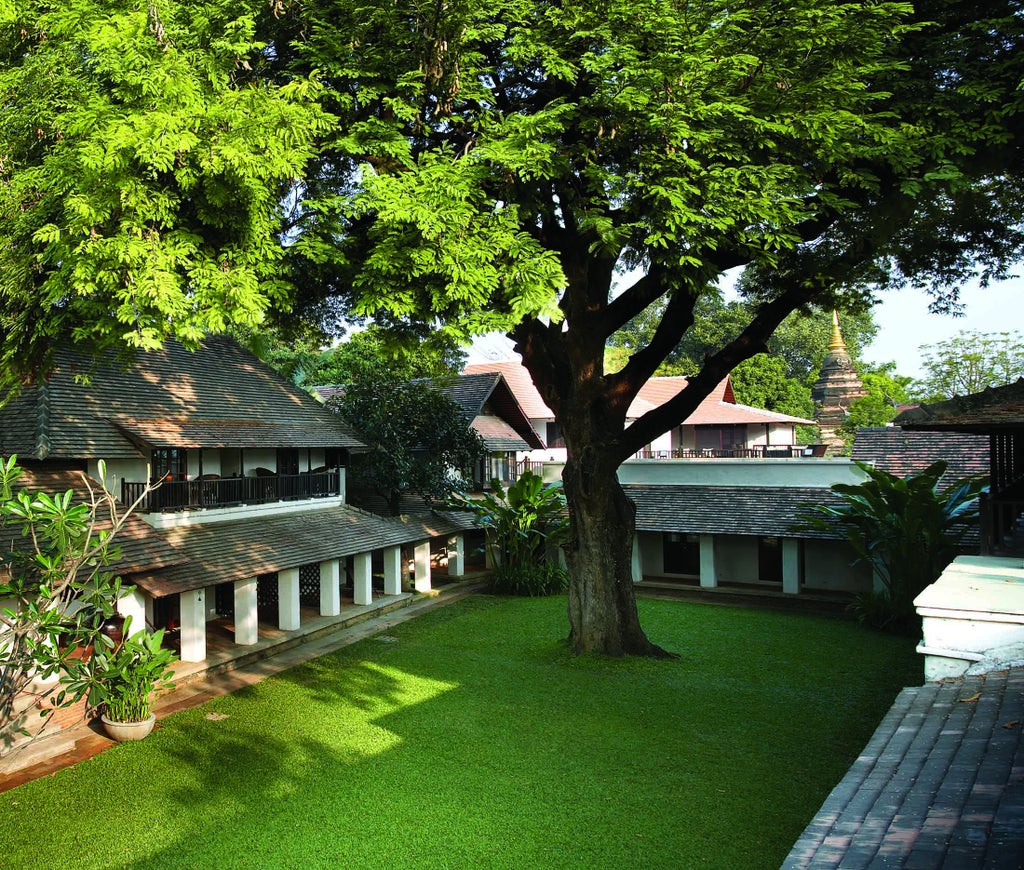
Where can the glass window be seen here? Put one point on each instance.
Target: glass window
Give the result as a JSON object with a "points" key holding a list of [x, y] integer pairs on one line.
{"points": [[169, 463]]}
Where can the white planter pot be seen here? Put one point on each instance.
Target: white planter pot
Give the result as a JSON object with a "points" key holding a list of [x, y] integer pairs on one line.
{"points": [[122, 731]]}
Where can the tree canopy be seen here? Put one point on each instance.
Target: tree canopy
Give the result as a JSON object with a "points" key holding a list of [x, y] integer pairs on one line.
{"points": [[145, 153]]}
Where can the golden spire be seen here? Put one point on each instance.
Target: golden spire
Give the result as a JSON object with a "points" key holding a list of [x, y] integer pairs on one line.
{"points": [[836, 341]]}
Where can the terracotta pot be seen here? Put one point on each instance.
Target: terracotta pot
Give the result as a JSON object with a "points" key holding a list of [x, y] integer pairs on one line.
{"points": [[122, 731]]}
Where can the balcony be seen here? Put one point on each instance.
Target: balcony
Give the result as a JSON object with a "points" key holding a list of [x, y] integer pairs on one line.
{"points": [[211, 491], [760, 451]]}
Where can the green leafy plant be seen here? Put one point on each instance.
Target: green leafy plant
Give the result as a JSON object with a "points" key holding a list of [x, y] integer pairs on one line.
{"points": [[523, 524], [122, 678], [906, 528]]}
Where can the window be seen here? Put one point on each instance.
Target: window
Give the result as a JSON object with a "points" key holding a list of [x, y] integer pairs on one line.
{"points": [[169, 463], [727, 437], [553, 436]]}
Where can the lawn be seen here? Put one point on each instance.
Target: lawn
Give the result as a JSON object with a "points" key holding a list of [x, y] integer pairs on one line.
{"points": [[468, 737]]}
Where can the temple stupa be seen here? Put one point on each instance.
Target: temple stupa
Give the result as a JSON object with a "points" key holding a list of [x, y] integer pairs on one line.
{"points": [[837, 386]]}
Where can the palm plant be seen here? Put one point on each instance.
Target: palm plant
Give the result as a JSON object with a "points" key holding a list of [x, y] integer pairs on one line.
{"points": [[522, 524], [906, 528]]}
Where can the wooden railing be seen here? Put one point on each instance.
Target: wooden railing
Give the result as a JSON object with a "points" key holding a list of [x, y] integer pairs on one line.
{"points": [[761, 451], [505, 470], [209, 492]]}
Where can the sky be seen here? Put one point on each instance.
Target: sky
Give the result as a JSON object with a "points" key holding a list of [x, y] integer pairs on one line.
{"points": [[904, 322]]}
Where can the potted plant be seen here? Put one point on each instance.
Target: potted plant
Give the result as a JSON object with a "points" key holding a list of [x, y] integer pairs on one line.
{"points": [[124, 678]]}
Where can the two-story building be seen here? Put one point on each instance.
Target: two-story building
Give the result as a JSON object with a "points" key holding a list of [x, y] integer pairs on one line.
{"points": [[239, 477]]}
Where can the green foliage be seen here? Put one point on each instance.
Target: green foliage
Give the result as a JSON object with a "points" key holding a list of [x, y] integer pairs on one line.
{"points": [[121, 678], [761, 382], [57, 591], [968, 363], [145, 158], [523, 525], [906, 529], [885, 393], [530, 579], [420, 441], [800, 342]]}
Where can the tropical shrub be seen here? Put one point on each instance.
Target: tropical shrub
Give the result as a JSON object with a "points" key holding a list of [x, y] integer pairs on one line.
{"points": [[905, 528], [523, 525]]}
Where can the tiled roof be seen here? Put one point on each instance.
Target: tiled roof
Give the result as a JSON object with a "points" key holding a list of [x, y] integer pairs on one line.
{"points": [[224, 552], [521, 384], [719, 408], [764, 511], [901, 452], [143, 548], [996, 409], [206, 398], [499, 435]]}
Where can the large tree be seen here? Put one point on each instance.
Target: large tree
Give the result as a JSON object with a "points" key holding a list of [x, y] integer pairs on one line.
{"points": [[494, 164], [512, 156]]}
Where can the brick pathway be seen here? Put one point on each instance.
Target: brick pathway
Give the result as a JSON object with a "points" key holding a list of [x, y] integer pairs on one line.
{"points": [[940, 784]]}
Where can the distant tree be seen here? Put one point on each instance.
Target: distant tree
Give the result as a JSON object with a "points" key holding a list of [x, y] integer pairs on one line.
{"points": [[968, 363], [801, 340], [420, 441], [885, 393], [762, 382]]}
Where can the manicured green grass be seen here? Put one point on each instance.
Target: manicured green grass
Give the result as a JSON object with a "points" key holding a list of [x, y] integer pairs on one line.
{"points": [[472, 739]]}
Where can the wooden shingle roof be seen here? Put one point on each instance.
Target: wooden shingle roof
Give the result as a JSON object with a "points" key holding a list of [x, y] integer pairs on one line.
{"points": [[902, 451], [996, 409], [224, 552], [764, 511], [217, 396]]}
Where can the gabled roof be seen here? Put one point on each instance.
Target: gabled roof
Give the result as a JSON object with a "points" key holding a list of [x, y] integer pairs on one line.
{"points": [[901, 451], [217, 396], [487, 403], [993, 410], [490, 404], [719, 408]]}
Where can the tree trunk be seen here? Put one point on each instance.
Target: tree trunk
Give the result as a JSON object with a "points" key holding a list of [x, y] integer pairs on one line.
{"points": [[602, 606]]}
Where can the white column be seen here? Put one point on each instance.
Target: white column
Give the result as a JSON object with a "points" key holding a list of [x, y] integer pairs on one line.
{"points": [[193, 625], [330, 588], [362, 579], [288, 599], [246, 618], [393, 570], [456, 556], [708, 570], [791, 565], [134, 605], [635, 568], [421, 562]]}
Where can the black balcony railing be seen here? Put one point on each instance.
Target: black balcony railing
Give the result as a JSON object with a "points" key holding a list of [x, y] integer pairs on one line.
{"points": [[506, 470], [209, 492]]}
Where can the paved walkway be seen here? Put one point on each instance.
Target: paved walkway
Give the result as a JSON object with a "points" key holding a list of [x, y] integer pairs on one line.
{"points": [[63, 749], [940, 784]]}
